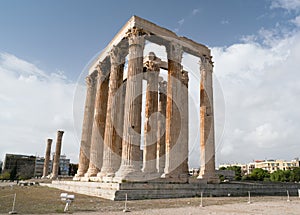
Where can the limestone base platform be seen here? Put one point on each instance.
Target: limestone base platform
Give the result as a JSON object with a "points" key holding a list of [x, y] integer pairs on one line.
{"points": [[159, 190]]}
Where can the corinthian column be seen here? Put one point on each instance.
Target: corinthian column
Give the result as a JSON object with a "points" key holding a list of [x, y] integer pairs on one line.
{"points": [[130, 168], [161, 127], [85, 145], [207, 143], [112, 150], [151, 113], [173, 121], [47, 158], [184, 113], [96, 151], [57, 155]]}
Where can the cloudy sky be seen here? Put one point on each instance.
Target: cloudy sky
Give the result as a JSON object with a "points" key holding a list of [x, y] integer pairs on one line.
{"points": [[45, 46]]}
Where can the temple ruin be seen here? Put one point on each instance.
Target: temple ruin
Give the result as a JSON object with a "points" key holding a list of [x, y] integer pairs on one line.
{"points": [[118, 153]]}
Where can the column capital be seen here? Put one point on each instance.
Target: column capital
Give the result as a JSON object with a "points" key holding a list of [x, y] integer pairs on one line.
{"points": [[136, 36], [152, 63], [185, 77], [117, 55], [174, 51], [206, 63], [91, 80], [163, 87]]}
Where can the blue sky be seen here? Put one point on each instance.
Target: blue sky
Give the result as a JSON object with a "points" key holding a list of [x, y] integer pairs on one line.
{"points": [[65, 35], [44, 46]]}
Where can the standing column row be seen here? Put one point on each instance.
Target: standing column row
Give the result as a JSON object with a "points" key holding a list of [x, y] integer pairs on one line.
{"points": [[85, 144], [97, 136], [114, 118], [130, 168]]}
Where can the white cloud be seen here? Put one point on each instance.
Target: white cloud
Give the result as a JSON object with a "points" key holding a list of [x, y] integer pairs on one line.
{"points": [[286, 4], [180, 22], [296, 21], [225, 22], [261, 85], [34, 105], [195, 11]]}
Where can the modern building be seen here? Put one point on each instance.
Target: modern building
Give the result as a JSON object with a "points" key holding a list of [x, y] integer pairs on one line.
{"points": [[1, 166], [270, 165], [64, 164], [274, 165], [28, 166], [22, 165]]}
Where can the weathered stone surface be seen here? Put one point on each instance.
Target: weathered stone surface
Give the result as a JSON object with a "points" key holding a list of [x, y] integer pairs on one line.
{"points": [[207, 143], [130, 168], [151, 113], [47, 159], [173, 120], [117, 191], [85, 144], [112, 150], [115, 137], [96, 151], [57, 155], [161, 127], [184, 134]]}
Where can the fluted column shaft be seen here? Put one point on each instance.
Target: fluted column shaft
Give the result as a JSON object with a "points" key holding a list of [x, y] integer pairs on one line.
{"points": [[173, 119], [207, 143], [47, 158], [161, 127], [184, 113], [96, 152], [151, 109], [85, 145], [112, 150], [131, 161], [57, 155]]}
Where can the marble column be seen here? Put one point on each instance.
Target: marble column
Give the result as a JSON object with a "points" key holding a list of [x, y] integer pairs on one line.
{"points": [[98, 130], [85, 145], [112, 150], [151, 112], [207, 143], [47, 159], [173, 119], [184, 113], [57, 155], [130, 169], [161, 127]]}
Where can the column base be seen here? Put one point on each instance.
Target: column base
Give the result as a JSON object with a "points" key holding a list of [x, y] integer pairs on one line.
{"points": [[178, 178], [209, 178], [128, 174], [91, 173], [77, 178], [45, 177]]}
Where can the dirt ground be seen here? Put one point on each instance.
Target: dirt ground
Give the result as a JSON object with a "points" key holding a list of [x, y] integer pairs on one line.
{"points": [[43, 200]]}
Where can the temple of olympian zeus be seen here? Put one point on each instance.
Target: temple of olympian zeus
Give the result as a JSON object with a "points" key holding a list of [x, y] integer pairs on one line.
{"points": [[112, 131]]}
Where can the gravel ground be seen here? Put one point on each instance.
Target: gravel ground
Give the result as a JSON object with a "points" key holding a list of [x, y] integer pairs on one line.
{"points": [[255, 208]]}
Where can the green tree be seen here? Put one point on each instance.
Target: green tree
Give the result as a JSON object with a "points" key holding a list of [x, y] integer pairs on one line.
{"points": [[295, 174], [259, 174], [238, 172]]}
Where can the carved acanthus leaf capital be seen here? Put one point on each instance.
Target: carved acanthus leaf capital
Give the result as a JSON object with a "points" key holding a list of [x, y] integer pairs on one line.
{"points": [[174, 51], [91, 80], [185, 77], [136, 36], [206, 64], [117, 55], [163, 87]]}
